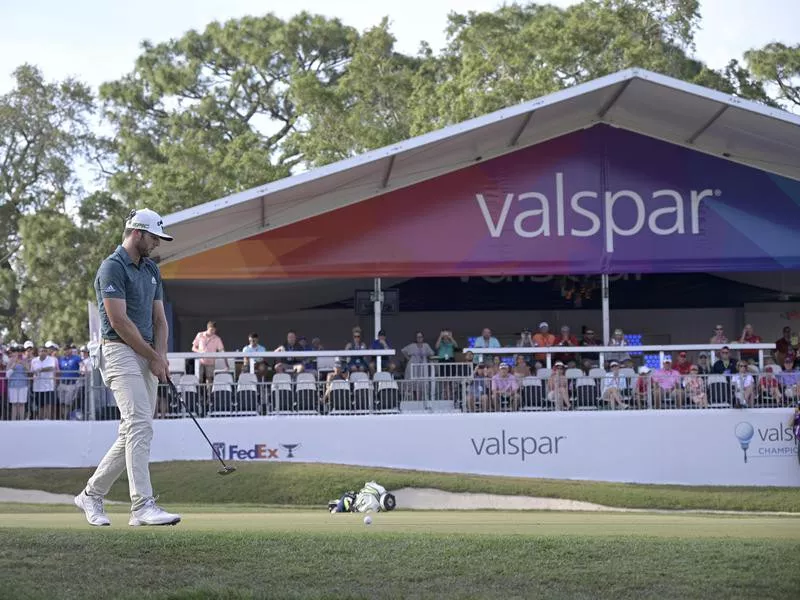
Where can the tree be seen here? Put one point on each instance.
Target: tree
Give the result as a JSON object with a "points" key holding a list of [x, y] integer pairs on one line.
{"points": [[207, 115], [367, 107], [520, 52], [778, 65], [44, 133]]}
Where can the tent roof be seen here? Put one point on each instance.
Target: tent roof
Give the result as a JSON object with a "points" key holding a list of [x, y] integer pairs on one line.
{"points": [[636, 100]]}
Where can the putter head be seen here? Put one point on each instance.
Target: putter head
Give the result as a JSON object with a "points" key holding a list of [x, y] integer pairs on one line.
{"points": [[226, 470]]}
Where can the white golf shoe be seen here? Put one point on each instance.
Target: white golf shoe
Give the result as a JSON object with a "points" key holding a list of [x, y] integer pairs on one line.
{"points": [[92, 507], [152, 514]]}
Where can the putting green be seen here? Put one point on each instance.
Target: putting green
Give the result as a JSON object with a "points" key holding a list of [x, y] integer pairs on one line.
{"points": [[686, 526]]}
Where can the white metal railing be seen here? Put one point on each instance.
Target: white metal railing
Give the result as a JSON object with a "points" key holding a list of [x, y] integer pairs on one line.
{"points": [[603, 351]]}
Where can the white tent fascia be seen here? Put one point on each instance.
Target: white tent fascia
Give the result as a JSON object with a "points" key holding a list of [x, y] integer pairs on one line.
{"points": [[635, 100]]}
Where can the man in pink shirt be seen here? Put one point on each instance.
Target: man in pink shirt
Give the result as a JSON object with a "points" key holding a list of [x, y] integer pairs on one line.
{"points": [[505, 388], [207, 341], [667, 384]]}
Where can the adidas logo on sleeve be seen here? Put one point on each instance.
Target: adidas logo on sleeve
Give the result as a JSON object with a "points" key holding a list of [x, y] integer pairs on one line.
{"points": [[110, 288]]}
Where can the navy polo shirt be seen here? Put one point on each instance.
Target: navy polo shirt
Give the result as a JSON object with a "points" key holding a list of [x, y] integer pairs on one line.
{"points": [[139, 285]]}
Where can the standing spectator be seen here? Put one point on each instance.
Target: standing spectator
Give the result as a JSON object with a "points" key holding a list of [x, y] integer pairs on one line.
{"points": [[254, 345], [785, 346], [380, 344], [44, 369], [790, 378], [613, 385], [618, 339], [69, 372], [749, 337], [744, 386], [558, 387], [505, 390], [544, 339], [590, 340], [667, 384], [683, 365], [207, 341], [446, 346], [703, 368], [487, 340], [17, 373], [356, 363], [417, 353], [695, 388], [566, 340], [719, 336]]}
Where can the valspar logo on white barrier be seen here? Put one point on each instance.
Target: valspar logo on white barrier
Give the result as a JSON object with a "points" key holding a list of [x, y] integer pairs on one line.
{"points": [[599, 214], [523, 446]]}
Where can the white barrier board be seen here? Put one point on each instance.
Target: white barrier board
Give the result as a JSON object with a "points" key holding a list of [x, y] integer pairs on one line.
{"points": [[694, 447]]}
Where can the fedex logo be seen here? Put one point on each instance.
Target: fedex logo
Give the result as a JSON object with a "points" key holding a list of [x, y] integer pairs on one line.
{"points": [[254, 452]]}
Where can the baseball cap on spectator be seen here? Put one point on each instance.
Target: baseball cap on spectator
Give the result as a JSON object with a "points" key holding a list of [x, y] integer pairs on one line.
{"points": [[614, 364], [503, 365], [84, 348], [558, 364], [28, 344], [51, 344], [337, 363], [149, 221], [702, 355], [381, 333], [668, 359], [618, 332], [543, 324], [644, 370]]}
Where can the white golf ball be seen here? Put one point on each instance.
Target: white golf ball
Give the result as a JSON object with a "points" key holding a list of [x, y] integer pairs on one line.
{"points": [[367, 520]]}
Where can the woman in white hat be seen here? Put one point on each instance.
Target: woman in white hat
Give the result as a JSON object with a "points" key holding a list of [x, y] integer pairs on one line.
{"points": [[558, 387]]}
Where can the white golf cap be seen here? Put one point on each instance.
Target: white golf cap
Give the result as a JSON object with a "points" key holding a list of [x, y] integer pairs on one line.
{"points": [[147, 220], [50, 344], [28, 344], [543, 324]]}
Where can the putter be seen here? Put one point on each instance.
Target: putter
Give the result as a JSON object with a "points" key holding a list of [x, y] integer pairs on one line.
{"points": [[226, 469]]}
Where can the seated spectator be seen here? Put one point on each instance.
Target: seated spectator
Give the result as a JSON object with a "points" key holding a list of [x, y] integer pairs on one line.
{"points": [[613, 385], [719, 336], [683, 365], [725, 365], [487, 340], [703, 368], [790, 379], [505, 390], [769, 387], [558, 387], [618, 339], [589, 339], [695, 387], [667, 385], [521, 368], [749, 337], [292, 363], [356, 363], [478, 390], [543, 339], [743, 385], [339, 373], [785, 347], [566, 340], [381, 343], [394, 369], [642, 392], [495, 366]]}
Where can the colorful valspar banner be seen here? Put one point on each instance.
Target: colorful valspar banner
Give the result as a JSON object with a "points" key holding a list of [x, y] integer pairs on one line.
{"points": [[601, 200]]}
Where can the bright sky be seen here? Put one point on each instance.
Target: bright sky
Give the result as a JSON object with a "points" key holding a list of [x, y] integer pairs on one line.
{"points": [[98, 40]]}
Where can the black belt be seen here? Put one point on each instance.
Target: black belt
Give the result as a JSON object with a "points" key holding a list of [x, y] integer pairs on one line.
{"points": [[110, 341]]}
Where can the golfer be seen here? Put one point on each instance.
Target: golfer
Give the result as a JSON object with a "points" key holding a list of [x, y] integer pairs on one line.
{"points": [[132, 359]]}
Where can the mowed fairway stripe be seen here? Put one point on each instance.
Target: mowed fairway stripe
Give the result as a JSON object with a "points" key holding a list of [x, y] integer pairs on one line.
{"points": [[690, 526]]}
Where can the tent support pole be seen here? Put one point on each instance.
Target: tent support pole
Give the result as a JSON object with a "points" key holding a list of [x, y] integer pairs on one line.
{"points": [[377, 300], [606, 315]]}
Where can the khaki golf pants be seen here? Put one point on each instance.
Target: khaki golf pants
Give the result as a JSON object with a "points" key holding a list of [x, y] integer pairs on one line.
{"points": [[134, 388]]}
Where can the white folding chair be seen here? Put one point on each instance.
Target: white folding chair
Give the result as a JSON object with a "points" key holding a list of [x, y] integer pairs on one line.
{"points": [[307, 393], [247, 397], [340, 398], [282, 394], [362, 392], [533, 395], [388, 393], [222, 394], [177, 366]]}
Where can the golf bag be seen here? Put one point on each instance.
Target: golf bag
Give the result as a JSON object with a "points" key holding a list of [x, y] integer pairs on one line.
{"points": [[373, 497]]}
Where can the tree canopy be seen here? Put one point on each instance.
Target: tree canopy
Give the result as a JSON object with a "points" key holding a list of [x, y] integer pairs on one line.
{"points": [[255, 99]]}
